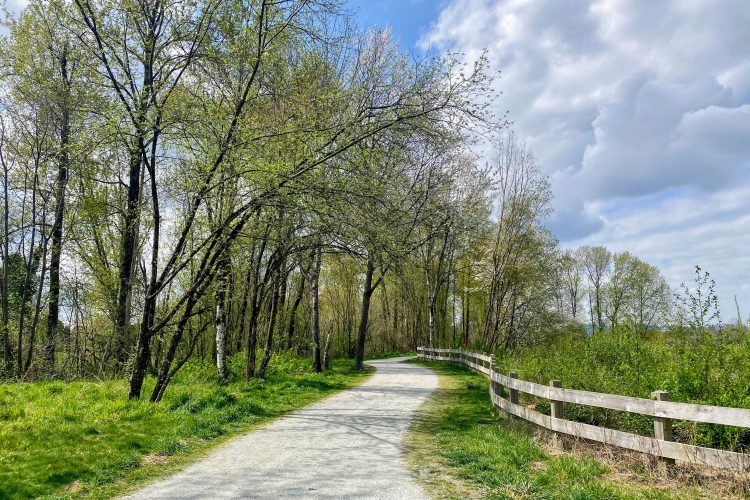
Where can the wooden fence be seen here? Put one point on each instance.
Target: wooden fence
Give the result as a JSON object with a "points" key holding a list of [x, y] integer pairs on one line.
{"points": [[660, 408]]}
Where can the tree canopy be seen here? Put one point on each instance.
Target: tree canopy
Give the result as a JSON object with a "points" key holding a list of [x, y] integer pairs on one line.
{"points": [[232, 179]]}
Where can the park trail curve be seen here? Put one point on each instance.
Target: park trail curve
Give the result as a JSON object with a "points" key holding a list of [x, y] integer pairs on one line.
{"points": [[345, 446]]}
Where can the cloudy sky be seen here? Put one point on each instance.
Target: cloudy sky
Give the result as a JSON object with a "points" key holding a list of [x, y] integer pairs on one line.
{"points": [[638, 110]]}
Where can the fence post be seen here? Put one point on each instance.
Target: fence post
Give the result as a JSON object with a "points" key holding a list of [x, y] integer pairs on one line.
{"points": [[556, 407], [513, 392], [493, 361], [556, 411], [662, 425]]}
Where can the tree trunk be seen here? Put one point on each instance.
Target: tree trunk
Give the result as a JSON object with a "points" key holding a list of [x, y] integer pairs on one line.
{"points": [[38, 299], [269, 334], [327, 350], [53, 310], [467, 320], [350, 347], [142, 353], [31, 265], [293, 311], [252, 340], [314, 287], [240, 327], [282, 307], [7, 352], [127, 258], [252, 334], [222, 283], [431, 323], [359, 358], [165, 372], [143, 345]]}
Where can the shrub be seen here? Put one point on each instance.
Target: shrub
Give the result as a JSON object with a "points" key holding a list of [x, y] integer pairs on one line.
{"points": [[707, 368]]}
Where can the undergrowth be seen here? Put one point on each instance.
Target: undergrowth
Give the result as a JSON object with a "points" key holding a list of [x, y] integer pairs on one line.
{"points": [[707, 369]]}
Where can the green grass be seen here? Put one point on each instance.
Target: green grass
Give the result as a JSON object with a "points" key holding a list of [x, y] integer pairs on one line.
{"points": [[60, 439], [708, 369], [459, 447]]}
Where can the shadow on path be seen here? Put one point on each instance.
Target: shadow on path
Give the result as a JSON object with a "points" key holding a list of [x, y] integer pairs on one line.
{"points": [[348, 445]]}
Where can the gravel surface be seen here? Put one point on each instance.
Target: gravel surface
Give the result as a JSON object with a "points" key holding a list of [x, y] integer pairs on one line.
{"points": [[345, 446]]}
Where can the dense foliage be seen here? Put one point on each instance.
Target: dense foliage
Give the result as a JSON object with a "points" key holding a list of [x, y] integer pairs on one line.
{"points": [[705, 370], [182, 179]]}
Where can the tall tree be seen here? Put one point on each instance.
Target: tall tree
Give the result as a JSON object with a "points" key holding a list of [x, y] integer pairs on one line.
{"points": [[520, 250], [596, 262], [61, 55], [7, 349], [571, 280]]}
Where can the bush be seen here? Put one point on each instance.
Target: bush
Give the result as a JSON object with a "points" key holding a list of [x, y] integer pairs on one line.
{"points": [[709, 368]]}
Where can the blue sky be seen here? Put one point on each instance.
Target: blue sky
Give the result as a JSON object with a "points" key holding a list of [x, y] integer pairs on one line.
{"points": [[409, 19], [638, 110]]}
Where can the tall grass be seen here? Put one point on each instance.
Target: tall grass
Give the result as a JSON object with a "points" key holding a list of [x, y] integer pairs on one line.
{"points": [[709, 368]]}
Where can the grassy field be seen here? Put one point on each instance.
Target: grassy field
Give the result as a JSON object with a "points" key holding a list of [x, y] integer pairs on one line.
{"points": [[709, 369], [459, 447], [60, 439]]}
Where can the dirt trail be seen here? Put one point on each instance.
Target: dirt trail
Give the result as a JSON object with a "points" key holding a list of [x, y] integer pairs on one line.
{"points": [[346, 446]]}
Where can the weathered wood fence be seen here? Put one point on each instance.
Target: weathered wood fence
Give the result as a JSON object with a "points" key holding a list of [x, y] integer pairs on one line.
{"points": [[660, 408]]}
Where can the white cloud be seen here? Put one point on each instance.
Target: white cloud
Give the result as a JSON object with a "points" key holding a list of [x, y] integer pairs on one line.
{"points": [[15, 6], [639, 110], [676, 231]]}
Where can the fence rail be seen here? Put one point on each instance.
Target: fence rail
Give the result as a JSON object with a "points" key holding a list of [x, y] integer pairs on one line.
{"points": [[660, 408]]}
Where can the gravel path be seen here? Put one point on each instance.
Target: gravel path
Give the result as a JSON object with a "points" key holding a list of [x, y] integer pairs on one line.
{"points": [[346, 446]]}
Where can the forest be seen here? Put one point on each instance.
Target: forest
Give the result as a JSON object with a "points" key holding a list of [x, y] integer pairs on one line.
{"points": [[221, 180], [199, 179]]}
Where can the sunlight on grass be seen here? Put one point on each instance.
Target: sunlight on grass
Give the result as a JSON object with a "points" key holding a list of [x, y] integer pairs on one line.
{"points": [[459, 447], [59, 438]]}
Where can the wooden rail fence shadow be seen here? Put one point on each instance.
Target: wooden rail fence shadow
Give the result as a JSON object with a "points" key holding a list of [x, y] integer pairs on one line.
{"points": [[660, 408]]}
